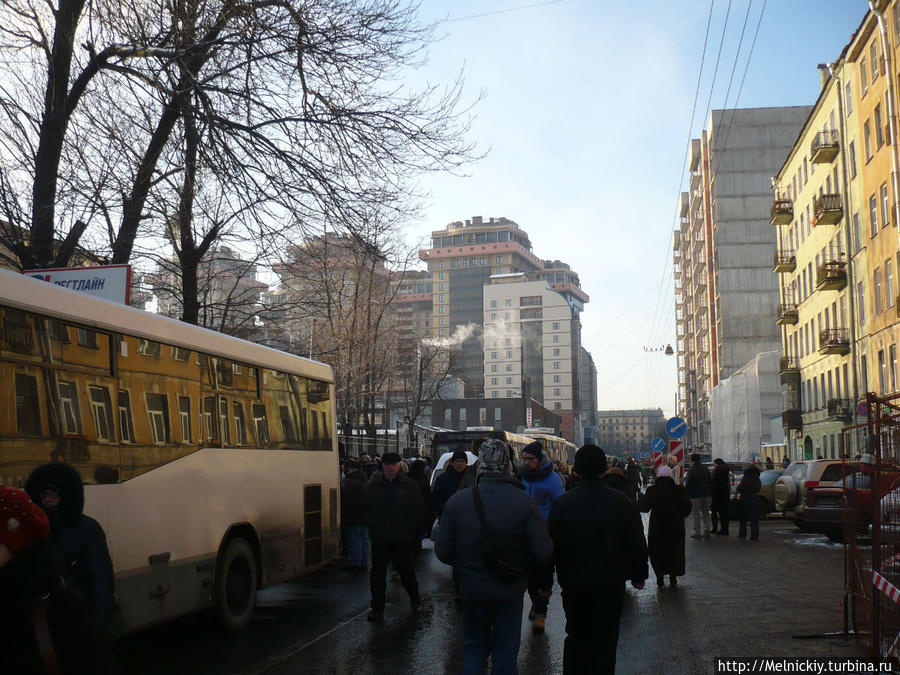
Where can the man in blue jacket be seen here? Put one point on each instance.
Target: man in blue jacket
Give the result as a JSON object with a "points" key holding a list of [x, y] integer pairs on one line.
{"points": [[491, 609], [544, 485]]}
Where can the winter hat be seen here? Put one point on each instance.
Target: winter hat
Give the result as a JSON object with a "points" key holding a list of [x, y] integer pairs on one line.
{"points": [[664, 472], [53, 484], [590, 461], [718, 460], [352, 464], [535, 448], [460, 454], [391, 458], [21, 520], [493, 457]]}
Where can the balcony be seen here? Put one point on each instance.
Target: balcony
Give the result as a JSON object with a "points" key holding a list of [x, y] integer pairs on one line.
{"points": [[789, 370], [831, 276], [782, 212], [824, 147], [840, 409], [788, 315], [827, 210], [834, 341], [785, 261]]}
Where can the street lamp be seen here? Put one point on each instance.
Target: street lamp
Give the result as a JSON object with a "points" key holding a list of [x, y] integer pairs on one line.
{"points": [[667, 350]]}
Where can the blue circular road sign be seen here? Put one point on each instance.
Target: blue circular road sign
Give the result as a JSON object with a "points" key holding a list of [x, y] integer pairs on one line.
{"points": [[657, 444], [676, 427]]}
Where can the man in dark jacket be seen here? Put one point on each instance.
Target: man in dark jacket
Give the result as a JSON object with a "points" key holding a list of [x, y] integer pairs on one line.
{"points": [[455, 477], [599, 541], [720, 495], [698, 484], [396, 514], [491, 609], [44, 627], [747, 509], [79, 540], [353, 516]]}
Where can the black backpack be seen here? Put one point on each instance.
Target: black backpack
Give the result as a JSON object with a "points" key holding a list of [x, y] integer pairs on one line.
{"points": [[503, 555]]}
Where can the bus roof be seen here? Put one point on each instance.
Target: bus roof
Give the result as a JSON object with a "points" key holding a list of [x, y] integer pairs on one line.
{"points": [[28, 294]]}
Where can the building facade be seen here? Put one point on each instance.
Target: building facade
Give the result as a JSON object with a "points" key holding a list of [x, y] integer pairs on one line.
{"points": [[726, 296], [621, 432]]}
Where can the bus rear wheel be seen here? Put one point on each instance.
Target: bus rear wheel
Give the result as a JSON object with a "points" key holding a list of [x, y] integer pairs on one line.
{"points": [[235, 584]]}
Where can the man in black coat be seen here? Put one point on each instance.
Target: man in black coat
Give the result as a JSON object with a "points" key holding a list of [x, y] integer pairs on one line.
{"points": [[395, 511], [353, 516], [600, 544], [456, 476], [698, 484], [720, 488], [79, 539]]}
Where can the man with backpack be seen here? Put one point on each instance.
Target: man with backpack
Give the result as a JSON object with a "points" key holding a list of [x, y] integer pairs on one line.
{"points": [[490, 548]]}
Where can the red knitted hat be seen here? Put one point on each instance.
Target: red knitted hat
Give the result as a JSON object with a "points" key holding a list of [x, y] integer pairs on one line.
{"points": [[21, 520]]}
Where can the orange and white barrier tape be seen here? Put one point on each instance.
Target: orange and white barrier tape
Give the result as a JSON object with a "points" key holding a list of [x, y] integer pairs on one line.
{"points": [[886, 587]]}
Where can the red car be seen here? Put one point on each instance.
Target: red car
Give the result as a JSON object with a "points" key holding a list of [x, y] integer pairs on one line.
{"points": [[825, 504]]}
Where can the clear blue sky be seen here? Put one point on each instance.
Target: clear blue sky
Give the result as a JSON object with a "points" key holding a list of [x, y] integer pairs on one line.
{"points": [[586, 119]]}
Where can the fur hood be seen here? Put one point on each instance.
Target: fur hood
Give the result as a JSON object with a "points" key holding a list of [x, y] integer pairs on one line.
{"points": [[67, 479]]}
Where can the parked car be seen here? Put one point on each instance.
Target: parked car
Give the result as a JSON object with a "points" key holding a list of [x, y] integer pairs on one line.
{"points": [[825, 504], [791, 487]]}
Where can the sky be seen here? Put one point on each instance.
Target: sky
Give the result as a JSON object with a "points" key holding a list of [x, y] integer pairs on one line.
{"points": [[586, 118]]}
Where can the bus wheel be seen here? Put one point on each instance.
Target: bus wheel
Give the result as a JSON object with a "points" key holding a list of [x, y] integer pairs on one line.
{"points": [[235, 584]]}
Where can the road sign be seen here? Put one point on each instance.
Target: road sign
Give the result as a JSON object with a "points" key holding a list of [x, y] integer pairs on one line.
{"points": [[677, 448], [862, 409], [676, 427], [658, 444], [657, 459]]}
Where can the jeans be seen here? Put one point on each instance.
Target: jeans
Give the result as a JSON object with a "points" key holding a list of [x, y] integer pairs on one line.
{"points": [[358, 544], [700, 508], [592, 629], [491, 628], [400, 554]]}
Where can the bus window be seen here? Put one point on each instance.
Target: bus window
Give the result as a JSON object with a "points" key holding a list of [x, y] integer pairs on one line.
{"points": [[28, 410], [261, 424]]}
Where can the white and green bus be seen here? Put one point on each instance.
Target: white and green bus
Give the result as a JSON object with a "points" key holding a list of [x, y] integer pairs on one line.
{"points": [[210, 462]]}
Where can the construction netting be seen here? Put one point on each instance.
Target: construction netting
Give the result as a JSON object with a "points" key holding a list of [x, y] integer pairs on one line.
{"points": [[741, 407]]}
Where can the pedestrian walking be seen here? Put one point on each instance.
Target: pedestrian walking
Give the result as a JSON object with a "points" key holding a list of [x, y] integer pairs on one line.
{"points": [[747, 507], [491, 605], [396, 513], [44, 626], [668, 505], [785, 462], [697, 482], [545, 486], [417, 475], [353, 516], [720, 496], [454, 478], [633, 474], [769, 464], [79, 539], [599, 545]]}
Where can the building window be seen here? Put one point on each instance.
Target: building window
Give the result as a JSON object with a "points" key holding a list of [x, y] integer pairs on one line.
{"points": [[441, 265], [441, 276], [493, 381], [509, 353], [494, 355], [493, 367], [499, 259], [495, 394], [556, 379], [126, 428], [556, 365], [557, 405], [851, 158], [184, 418], [861, 302], [508, 380], [68, 401], [101, 411], [885, 207], [442, 298], [556, 325], [556, 338], [158, 412], [882, 373], [508, 302], [873, 216], [442, 309], [442, 321], [87, 338], [879, 128], [848, 97], [863, 75], [499, 270], [556, 352], [493, 304], [873, 59], [240, 429], [556, 391], [28, 410], [508, 367], [867, 139], [148, 348], [888, 283], [857, 233], [892, 357], [876, 290]]}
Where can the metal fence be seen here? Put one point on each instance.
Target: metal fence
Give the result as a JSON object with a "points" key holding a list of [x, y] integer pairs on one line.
{"points": [[872, 530]]}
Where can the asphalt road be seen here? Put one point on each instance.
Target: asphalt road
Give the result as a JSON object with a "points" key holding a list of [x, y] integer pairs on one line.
{"points": [[738, 599]]}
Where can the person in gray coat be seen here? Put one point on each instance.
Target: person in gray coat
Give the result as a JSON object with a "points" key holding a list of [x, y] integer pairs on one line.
{"points": [[491, 609]]}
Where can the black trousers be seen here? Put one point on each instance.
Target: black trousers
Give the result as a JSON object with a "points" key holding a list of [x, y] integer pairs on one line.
{"points": [[592, 629], [540, 588], [720, 516], [401, 555]]}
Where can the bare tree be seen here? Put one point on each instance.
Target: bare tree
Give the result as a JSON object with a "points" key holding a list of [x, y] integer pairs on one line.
{"points": [[292, 108]]}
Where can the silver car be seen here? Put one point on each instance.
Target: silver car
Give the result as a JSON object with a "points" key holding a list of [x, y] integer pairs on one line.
{"points": [[790, 488]]}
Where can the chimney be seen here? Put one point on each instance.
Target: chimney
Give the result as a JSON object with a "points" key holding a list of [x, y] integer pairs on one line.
{"points": [[476, 220]]}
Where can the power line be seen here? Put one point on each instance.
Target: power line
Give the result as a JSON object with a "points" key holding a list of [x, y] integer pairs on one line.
{"points": [[503, 11]]}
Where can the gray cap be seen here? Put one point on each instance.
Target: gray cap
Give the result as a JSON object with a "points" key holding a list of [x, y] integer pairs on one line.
{"points": [[493, 457]]}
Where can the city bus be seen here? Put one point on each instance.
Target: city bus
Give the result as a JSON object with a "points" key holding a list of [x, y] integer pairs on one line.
{"points": [[558, 448], [210, 462]]}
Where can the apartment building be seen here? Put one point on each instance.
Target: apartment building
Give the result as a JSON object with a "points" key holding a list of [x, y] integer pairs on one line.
{"points": [[461, 261], [628, 431], [532, 347], [726, 296]]}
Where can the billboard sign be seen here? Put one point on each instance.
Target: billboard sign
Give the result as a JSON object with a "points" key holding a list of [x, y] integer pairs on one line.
{"points": [[110, 282]]}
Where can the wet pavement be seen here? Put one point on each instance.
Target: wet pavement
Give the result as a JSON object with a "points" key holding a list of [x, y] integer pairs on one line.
{"points": [[739, 598]]}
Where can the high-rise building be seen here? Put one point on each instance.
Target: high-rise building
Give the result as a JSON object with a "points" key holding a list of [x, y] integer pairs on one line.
{"points": [[726, 295], [461, 260]]}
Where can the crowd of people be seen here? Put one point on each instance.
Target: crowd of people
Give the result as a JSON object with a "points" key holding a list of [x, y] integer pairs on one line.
{"points": [[506, 530]]}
